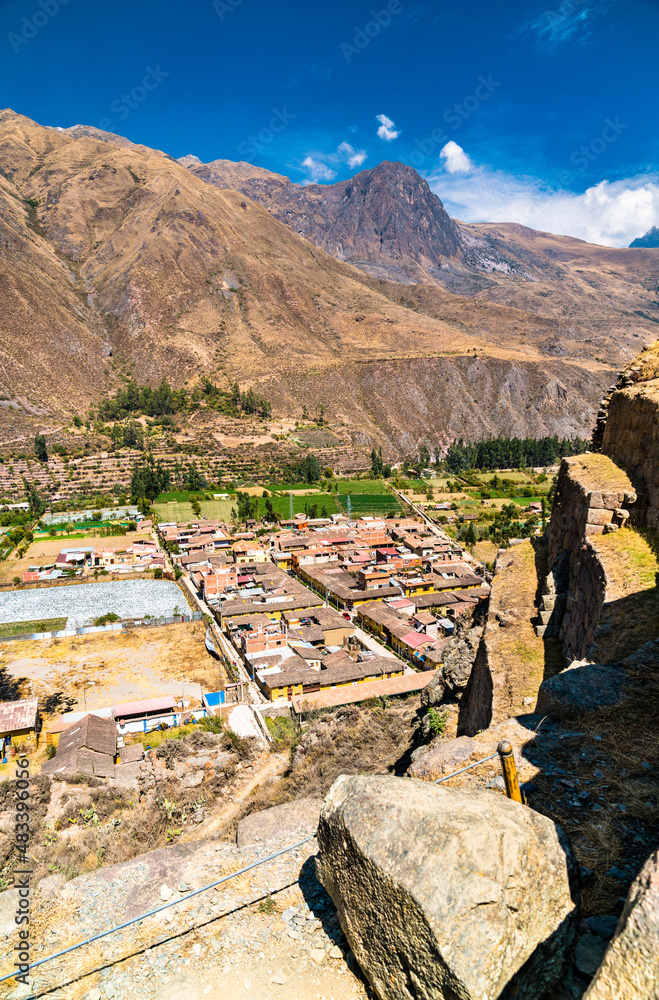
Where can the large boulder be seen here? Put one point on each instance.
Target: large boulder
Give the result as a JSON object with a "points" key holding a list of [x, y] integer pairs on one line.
{"points": [[300, 816], [459, 655], [630, 967], [581, 689], [444, 758], [447, 893]]}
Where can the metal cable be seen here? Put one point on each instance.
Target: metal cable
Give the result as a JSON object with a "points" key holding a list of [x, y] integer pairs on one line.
{"points": [[462, 771], [159, 909]]}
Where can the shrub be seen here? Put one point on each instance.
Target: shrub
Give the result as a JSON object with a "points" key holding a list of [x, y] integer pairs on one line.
{"points": [[436, 721], [107, 618]]}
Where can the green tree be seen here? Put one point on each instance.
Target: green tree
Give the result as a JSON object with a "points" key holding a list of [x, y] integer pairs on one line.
{"points": [[309, 469], [34, 499], [40, 448], [148, 479]]}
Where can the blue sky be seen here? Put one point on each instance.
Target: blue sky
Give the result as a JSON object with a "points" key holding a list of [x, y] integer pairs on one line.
{"points": [[513, 111]]}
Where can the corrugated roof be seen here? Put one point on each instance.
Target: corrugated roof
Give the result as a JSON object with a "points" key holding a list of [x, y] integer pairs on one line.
{"points": [[17, 715], [361, 692], [143, 707], [91, 733]]}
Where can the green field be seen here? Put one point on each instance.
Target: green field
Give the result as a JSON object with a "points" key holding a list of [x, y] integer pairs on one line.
{"points": [[515, 477], [27, 628], [216, 510], [281, 504], [369, 503], [353, 486]]}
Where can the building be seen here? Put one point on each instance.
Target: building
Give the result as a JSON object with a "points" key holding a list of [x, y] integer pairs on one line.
{"points": [[88, 746], [337, 670], [19, 722]]}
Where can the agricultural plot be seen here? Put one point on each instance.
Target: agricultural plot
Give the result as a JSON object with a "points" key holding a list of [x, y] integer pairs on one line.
{"points": [[281, 504], [515, 477], [215, 510], [370, 504], [370, 486], [44, 550]]}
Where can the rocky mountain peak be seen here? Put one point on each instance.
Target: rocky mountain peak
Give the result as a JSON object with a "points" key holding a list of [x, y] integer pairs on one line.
{"points": [[385, 220], [651, 239]]}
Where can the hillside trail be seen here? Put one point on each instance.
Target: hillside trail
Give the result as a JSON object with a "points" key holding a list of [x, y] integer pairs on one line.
{"points": [[222, 817]]}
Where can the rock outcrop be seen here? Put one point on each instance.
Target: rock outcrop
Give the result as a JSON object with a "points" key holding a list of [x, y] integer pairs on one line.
{"points": [[459, 655], [478, 891], [582, 688], [300, 816], [630, 967], [593, 495]]}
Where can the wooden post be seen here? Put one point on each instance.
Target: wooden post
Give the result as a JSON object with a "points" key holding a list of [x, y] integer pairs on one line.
{"points": [[505, 751]]}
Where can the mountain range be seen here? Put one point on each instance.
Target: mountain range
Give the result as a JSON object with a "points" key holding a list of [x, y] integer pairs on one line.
{"points": [[650, 239], [117, 260]]}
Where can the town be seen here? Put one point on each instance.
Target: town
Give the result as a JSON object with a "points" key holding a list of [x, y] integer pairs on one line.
{"points": [[313, 613]]}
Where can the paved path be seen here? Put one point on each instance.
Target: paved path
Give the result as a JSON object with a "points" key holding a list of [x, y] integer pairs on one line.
{"points": [[375, 646]]}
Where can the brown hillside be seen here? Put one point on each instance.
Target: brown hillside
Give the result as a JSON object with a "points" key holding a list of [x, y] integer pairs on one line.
{"points": [[115, 258]]}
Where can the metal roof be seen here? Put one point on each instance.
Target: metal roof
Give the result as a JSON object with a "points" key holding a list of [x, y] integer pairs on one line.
{"points": [[143, 707], [17, 715]]}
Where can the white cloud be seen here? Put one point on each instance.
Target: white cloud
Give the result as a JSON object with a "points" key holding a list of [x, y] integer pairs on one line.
{"points": [[387, 130], [318, 171], [455, 159], [319, 166], [611, 213], [353, 157]]}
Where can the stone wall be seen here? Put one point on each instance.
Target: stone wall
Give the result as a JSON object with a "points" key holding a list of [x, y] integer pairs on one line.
{"points": [[593, 496], [631, 436]]}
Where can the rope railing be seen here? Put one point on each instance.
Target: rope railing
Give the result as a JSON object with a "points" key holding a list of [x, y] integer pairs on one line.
{"points": [[159, 909], [505, 753]]}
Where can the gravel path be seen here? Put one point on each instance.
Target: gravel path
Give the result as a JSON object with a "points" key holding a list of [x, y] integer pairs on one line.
{"points": [[271, 933]]}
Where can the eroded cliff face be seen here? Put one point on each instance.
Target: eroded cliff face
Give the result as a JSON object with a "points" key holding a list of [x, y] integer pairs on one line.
{"points": [[596, 585], [628, 430], [593, 496]]}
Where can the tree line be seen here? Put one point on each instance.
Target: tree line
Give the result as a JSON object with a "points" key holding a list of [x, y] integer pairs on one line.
{"points": [[511, 453]]}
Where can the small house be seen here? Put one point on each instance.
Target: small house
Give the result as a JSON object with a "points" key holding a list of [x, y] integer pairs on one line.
{"points": [[19, 722]]}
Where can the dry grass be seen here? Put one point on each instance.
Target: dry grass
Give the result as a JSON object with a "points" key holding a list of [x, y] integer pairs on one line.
{"points": [[485, 551], [631, 560], [141, 663], [516, 651], [598, 472], [365, 740]]}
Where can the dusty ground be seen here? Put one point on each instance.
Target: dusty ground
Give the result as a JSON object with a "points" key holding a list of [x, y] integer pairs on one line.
{"points": [[143, 663], [515, 651], [43, 552]]}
